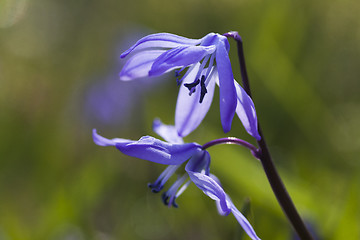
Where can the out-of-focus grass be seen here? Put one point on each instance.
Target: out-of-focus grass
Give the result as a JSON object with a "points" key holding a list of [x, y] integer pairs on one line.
{"points": [[55, 183]]}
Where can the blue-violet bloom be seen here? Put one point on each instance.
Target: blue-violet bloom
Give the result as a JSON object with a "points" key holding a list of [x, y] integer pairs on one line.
{"points": [[207, 62], [174, 152]]}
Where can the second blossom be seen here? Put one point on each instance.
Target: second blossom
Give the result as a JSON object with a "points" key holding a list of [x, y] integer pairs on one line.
{"points": [[207, 63]]}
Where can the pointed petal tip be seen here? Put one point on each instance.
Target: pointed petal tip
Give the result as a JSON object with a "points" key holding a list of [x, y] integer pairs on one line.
{"points": [[156, 122], [94, 131], [95, 135], [257, 136], [227, 126], [101, 141], [226, 130], [122, 76]]}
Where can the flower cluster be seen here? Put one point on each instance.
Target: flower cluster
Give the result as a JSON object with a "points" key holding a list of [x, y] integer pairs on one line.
{"points": [[200, 65]]}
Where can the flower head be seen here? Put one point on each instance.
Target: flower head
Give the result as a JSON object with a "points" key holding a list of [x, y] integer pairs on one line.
{"points": [[174, 152], [207, 62]]}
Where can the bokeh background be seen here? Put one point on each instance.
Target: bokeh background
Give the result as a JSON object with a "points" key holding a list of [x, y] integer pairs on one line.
{"points": [[59, 64]]}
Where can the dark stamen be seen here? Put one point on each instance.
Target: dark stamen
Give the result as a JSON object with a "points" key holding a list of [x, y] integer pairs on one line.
{"points": [[165, 198], [203, 88], [175, 204], [191, 86], [155, 188]]}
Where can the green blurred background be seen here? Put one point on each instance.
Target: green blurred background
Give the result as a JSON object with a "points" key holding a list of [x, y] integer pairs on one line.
{"points": [[59, 64]]}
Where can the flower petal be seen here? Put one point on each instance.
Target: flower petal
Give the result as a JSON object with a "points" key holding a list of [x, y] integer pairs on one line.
{"points": [[139, 65], [189, 111], [199, 162], [161, 40], [101, 141], [226, 83], [210, 187], [243, 222], [213, 189], [167, 132], [245, 110], [179, 57], [154, 150]]}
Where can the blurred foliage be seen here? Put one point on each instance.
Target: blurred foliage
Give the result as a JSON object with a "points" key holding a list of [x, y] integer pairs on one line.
{"points": [[55, 183]]}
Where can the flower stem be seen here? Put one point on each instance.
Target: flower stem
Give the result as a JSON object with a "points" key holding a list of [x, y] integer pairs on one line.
{"points": [[275, 181], [233, 140]]}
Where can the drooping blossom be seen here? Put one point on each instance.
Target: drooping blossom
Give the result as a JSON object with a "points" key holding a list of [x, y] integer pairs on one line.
{"points": [[174, 152], [207, 63]]}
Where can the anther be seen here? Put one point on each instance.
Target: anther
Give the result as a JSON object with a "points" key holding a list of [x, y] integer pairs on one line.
{"points": [[203, 88], [168, 201], [165, 198], [175, 205], [191, 86], [155, 188]]}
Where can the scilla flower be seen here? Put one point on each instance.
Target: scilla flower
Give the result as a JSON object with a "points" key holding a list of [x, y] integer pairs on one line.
{"points": [[174, 153], [207, 62]]}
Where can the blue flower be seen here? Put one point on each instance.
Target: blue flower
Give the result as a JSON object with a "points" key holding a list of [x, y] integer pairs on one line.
{"points": [[207, 62], [174, 152]]}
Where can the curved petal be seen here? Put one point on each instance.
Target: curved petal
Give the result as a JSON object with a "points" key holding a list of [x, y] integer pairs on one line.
{"points": [[179, 57], [243, 222], [160, 40], [139, 65], [245, 110], [167, 132], [154, 150], [227, 89], [189, 111], [211, 188], [101, 141]]}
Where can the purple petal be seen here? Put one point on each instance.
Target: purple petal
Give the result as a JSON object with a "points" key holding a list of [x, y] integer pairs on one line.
{"points": [[154, 150], [245, 110], [199, 162], [167, 132], [101, 141], [179, 57], [189, 111], [226, 83], [243, 222], [161, 40], [210, 187], [139, 65], [213, 189]]}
